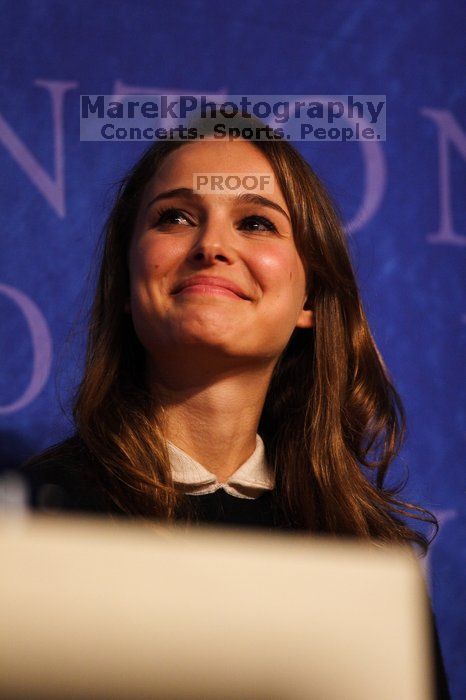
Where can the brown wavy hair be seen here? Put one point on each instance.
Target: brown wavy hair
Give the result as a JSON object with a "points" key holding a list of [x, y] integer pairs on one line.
{"points": [[332, 421]]}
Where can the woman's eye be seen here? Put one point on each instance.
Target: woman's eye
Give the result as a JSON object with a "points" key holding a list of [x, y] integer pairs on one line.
{"points": [[168, 216], [177, 216], [258, 221]]}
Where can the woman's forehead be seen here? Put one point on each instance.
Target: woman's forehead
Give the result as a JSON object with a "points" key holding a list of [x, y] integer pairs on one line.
{"points": [[228, 165]]}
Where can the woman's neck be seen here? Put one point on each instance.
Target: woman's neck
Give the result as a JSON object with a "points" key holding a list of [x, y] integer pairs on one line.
{"points": [[215, 422]]}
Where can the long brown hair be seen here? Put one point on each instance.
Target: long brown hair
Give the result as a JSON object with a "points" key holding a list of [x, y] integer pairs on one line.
{"points": [[332, 421]]}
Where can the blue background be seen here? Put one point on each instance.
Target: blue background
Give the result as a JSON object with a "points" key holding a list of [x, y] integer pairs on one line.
{"points": [[412, 286]]}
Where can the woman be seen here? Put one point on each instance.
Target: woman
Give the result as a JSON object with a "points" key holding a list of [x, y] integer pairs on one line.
{"points": [[294, 362], [231, 375]]}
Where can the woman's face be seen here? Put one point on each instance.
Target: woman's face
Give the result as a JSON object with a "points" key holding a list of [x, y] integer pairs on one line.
{"points": [[180, 236]]}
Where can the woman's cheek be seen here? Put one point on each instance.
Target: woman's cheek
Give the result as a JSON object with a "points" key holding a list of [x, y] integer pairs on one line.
{"points": [[275, 267], [150, 260]]}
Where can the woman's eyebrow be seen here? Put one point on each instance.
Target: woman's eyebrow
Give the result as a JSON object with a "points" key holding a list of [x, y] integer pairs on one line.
{"points": [[243, 198], [250, 198]]}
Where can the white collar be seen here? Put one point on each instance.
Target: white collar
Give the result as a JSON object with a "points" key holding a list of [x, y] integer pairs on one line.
{"points": [[251, 479]]}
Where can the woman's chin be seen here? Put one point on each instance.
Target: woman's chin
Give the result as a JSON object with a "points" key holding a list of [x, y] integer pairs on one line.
{"points": [[207, 341]]}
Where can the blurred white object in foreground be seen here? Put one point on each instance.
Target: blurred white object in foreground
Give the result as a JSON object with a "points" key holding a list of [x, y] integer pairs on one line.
{"points": [[91, 608]]}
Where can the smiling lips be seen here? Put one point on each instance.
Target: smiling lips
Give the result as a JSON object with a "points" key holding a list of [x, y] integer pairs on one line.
{"points": [[210, 285]]}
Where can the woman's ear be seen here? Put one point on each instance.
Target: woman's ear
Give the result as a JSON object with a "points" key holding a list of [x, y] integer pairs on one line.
{"points": [[306, 317]]}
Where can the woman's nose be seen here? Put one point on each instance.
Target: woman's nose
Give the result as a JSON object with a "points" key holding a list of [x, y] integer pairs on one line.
{"points": [[213, 242]]}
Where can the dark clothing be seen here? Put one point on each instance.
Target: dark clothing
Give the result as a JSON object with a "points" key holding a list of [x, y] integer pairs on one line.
{"points": [[66, 487], [222, 508], [54, 485]]}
